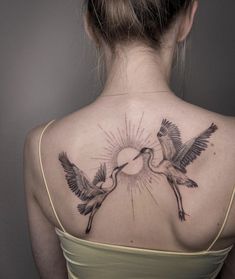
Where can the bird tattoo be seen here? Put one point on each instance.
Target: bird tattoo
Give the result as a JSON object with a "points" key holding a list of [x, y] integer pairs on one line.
{"points": [[176, 157], [92, 193]]}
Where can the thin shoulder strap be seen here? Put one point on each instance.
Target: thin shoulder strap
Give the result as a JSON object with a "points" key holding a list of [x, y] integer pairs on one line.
{"points": [[225, 219], [43, 174]]}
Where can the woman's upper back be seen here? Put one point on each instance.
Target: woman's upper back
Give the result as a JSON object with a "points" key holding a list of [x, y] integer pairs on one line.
{"points": [[142, 208]]}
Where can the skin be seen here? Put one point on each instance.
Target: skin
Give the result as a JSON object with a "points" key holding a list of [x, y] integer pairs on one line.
{"points": [[134, 69]]}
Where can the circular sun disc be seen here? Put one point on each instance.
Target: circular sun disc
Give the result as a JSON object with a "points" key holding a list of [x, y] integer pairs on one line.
{"points": [[127, 155]]}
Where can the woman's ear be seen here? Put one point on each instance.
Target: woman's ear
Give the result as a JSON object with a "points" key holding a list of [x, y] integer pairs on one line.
{"points": [[89, 30], [187, 21], [87, 27]]}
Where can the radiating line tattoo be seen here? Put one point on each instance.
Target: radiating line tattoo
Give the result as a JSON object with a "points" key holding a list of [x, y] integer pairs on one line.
{"points": [[93, 193], [123, 145], [131, 157], [176, 157]]}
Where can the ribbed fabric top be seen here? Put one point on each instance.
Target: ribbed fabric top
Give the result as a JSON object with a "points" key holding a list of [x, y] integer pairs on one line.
{"points": [[93, 260]]}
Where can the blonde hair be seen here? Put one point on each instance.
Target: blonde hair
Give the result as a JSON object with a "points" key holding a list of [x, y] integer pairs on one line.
{"points": [[116, 22]]}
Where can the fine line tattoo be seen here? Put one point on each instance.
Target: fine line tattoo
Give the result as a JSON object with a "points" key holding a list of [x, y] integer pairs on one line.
{"points": [[130, 159], [92, 193], [176, 157]]}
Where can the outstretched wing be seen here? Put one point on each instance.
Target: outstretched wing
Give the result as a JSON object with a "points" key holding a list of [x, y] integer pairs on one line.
{"points": [[100, 175], [193, 148], [170, 139], [77, 180]]}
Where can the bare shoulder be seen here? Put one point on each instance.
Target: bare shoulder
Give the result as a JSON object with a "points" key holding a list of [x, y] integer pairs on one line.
{"points": [[31, 141], [30, 152], [44, 242], [227, 134], [223, 140], [226, 124], [230, 123], [32, 136], [225, 165]]}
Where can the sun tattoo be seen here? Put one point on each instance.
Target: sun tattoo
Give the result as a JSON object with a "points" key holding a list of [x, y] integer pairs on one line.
{"points": [[122, 145]]}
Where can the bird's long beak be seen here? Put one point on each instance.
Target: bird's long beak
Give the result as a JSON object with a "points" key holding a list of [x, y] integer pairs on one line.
{"points": [[138, 155], [122, 166]]}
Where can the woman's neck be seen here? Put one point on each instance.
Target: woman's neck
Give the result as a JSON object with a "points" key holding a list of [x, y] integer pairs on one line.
{"points": [[137, 70]]}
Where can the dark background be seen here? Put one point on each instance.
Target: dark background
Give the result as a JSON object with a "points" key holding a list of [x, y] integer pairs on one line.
{"points": [[48, 69]]}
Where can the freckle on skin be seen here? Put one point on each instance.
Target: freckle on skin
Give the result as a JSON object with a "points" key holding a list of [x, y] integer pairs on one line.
{"points": [[131, 241], [214, 153], [212, 144]]}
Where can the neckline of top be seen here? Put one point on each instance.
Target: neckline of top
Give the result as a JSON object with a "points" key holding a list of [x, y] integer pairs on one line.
{"points": [[126, 248]]}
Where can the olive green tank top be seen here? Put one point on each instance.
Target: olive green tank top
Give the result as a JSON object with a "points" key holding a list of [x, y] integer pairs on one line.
{"points": [[94, 260]]}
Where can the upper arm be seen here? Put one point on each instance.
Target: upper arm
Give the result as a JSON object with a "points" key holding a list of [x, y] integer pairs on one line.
{"points": [[46, 248], [228, 270]]}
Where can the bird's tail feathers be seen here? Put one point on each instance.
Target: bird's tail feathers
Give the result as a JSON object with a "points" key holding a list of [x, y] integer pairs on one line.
{"points": [[84, 208]]}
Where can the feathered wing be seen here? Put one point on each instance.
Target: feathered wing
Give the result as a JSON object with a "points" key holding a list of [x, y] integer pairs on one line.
{"points": [[193, 148], [169, 138], [100, 175], [77, 179]]}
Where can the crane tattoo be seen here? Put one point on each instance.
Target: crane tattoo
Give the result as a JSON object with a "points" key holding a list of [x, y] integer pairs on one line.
{"points": [[176, 157], [92, 193]]}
